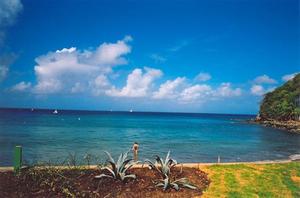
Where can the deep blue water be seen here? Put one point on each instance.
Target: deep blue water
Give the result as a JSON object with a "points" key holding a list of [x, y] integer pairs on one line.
{"points": [[190, 137]]}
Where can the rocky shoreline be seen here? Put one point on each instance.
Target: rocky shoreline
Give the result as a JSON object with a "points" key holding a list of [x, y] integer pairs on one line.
{"points": [[291, 125]]}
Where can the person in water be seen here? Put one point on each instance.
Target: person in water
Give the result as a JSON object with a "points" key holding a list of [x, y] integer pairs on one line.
{"points": [[135, 149]]}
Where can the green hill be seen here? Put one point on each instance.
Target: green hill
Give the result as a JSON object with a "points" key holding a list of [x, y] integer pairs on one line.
{"points": [[283, 102]]}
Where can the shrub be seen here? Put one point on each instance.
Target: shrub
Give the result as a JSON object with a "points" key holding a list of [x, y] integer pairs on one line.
{"points": [[176, 184], [118, 169], [162, 166]]}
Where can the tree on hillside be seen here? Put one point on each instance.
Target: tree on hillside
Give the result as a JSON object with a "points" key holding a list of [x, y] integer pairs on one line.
{"points": [[281, 104]]}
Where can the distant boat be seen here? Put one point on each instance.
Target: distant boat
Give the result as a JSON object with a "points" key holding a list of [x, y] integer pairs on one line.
{"points": [[32, 109], [55, 112], [130, 110]]}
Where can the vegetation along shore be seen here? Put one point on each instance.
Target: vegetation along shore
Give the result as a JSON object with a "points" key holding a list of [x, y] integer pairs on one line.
{"points": [[281, 107]]}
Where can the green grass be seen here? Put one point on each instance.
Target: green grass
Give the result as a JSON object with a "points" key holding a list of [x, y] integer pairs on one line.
{"points": [[253, 180]]}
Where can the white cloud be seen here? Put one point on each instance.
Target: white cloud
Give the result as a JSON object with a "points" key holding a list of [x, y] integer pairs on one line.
{"points": [[196, 92], [138, 83], [3, 72], [68, 68], [5, 61], [225, 90], [264, 79], [100, 85], [77, 88], [288, 77], [183, 92], [9, 10], [158, 58], [179, 46], [22, 86], [101, 81], [257, 90], [48, 86], [169, 89], [202, 76]]}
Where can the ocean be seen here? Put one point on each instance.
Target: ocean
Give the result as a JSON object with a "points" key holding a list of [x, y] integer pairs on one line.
{"points": [[190, 137]]}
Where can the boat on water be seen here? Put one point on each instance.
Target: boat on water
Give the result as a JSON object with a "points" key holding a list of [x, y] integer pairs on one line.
{"points": [[55, 112], [130, 110]]}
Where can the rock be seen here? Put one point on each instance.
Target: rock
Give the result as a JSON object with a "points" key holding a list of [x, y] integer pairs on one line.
{"points": [[295, 157]]}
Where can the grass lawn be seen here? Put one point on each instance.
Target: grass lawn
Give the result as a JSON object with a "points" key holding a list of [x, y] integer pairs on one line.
{"points": [[253, 180]]}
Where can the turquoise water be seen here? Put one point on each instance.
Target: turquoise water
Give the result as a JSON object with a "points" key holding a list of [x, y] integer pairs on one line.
{"points": [[190, 137]]}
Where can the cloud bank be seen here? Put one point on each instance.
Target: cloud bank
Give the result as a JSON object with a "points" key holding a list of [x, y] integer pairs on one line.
{"points": [[74, 71]]}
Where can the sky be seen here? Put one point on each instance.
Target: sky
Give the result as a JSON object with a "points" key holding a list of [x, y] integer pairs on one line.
{"points": [[217, 56]]}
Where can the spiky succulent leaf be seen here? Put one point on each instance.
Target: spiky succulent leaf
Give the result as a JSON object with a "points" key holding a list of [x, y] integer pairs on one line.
{"points": [[190, 186], [184, 182], [103, 175], [174, 185], [109, 157], [110, 170], [118, 170], [166, 183], [167, 157], [130, 176]]}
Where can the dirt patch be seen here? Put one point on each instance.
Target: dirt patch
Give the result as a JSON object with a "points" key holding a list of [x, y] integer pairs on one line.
{"points": [[295, 178], [81, 183]]}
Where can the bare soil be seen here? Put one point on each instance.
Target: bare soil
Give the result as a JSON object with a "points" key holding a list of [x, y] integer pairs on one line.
{"points": [[52, 182]]}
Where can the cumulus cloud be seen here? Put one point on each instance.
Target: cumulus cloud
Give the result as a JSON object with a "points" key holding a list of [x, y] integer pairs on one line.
{"points": [[138, 83], [158, 58], [77, 88], [169, 89], [100, 85], [225, 90], [257, 90], [70, 68], [203, 76], [264, 79], [3, 72], [5, 61], [195, 93], [22, 86], [9, 10], [180, 90], [288, 77], [179, 46]]}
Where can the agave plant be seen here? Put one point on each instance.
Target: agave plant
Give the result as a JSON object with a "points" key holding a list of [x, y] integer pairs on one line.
{"points": [[176, 184], [162, 166], [118, 169]]}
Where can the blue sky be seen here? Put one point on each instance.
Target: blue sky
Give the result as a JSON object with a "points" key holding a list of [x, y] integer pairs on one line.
{"points": [[193, 56]]}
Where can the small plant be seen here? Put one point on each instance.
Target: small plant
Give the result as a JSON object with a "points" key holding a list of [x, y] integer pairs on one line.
{"points": [[162, 166], [176, 184], [88, 158], [118, 169]]}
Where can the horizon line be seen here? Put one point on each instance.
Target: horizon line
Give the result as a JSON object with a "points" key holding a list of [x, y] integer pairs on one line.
{"points": [[124, 111]]}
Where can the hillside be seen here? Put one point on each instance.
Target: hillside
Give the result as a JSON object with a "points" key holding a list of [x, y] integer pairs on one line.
{"points": [[281, 103]]}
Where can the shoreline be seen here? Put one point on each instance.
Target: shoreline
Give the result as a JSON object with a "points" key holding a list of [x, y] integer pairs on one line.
{"points": [[290, 126], [185, 165]]}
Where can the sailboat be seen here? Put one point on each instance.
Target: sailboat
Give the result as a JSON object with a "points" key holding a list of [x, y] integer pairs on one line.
{"points": [[55, 112]]}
